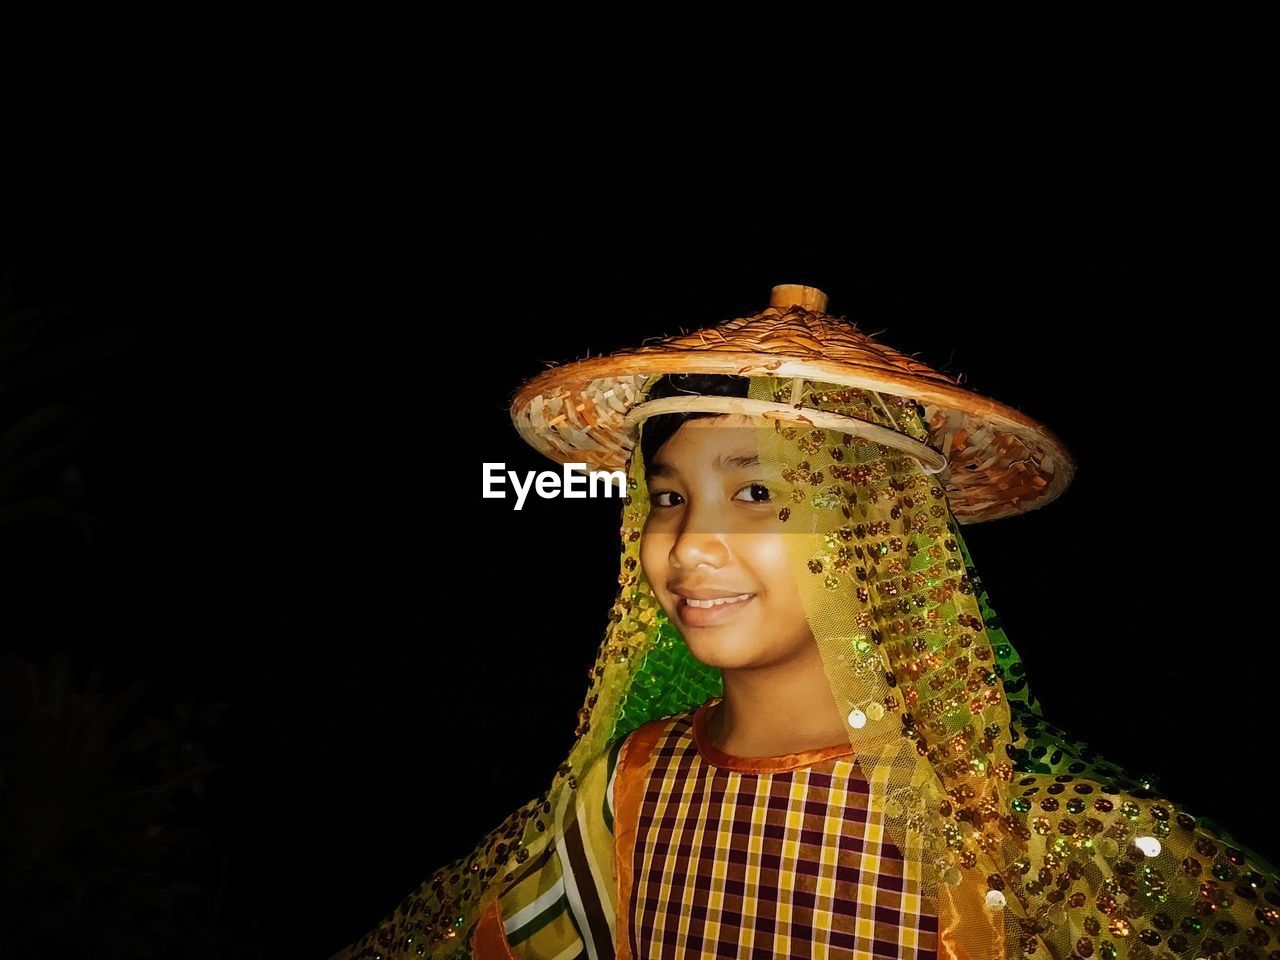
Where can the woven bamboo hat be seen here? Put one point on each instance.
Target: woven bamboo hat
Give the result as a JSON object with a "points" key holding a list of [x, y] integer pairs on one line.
{"points": [[993, 460]]}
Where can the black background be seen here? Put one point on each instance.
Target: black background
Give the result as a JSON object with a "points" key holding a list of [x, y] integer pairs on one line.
{"points": [[299, 361]]}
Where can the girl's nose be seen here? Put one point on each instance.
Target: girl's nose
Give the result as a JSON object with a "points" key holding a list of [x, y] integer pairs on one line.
{"points": [[699, 541]]}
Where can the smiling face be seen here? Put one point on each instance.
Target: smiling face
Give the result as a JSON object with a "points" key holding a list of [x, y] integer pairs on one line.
{"points": [[715, 552]]}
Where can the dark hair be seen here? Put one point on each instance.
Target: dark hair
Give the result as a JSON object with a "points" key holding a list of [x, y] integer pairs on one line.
{"points": [[659, 428]]}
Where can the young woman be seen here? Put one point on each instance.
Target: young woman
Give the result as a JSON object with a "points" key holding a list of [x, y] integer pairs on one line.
{"points": [[806, 734]]}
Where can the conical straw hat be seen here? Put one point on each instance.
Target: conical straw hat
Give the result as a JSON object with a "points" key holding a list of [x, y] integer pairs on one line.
{"points": [[993, 460]]}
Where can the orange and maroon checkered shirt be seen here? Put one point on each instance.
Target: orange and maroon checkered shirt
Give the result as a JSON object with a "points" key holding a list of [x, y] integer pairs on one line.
{"points": [[763, 857]]}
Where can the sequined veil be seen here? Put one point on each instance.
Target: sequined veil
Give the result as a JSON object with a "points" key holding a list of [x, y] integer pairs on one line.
{"points": [[1027, 842]]}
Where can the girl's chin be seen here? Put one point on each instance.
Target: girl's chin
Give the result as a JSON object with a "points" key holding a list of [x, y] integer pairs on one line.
{"points": [[723, 651]]}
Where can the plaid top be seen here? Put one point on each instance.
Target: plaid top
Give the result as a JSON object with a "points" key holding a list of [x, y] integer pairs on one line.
{"points": [[729, 857]]}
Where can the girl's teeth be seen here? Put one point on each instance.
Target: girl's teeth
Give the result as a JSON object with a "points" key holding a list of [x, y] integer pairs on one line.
{"points": [[716, 603]]}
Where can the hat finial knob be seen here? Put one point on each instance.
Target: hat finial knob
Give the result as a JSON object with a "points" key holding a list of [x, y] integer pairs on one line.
{"points": [[788, 294]]}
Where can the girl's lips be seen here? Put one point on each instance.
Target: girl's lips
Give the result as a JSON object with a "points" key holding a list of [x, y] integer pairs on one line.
{"points": [[691, 616]]}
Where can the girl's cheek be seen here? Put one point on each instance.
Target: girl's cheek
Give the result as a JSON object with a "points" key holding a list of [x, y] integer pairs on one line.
{"points": [[653, 559]]}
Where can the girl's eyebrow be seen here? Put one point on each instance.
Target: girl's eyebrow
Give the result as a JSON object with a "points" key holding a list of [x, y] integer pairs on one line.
{"points": [[721, 462], [661, 468]]}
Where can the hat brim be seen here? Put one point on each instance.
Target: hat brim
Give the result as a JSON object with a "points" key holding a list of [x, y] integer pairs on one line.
{"points": [[1001, 462]]}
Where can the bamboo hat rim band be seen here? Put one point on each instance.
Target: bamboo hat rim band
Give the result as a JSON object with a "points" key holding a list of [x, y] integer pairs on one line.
{"points": [[931, 461]]}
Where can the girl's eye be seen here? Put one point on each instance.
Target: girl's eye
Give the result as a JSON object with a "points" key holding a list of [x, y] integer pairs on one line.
{"points": [[657, 498], [756, 493]]}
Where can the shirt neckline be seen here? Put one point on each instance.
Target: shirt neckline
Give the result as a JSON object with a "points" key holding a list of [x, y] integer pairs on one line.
{"points": [[775, 764]]}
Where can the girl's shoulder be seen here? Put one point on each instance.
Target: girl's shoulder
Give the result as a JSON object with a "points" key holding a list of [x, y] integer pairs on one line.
{"points": [[676, 723], [639, 744]]}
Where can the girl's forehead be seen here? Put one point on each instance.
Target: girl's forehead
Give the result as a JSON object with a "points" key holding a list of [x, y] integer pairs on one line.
{"points": [[727, 430], [700, 437], [722, 443]]}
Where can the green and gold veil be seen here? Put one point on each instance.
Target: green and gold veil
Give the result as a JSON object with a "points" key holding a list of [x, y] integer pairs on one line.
{"points": [[1025, 840]]}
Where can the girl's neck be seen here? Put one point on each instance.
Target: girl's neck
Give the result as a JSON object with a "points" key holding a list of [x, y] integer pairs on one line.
{"points": [[767, 712]]}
